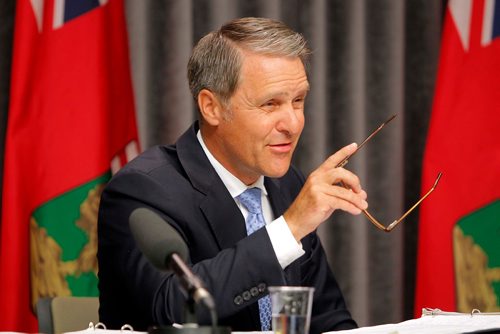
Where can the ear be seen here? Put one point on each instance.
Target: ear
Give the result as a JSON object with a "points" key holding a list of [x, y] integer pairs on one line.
{"points": [[210, 107]]}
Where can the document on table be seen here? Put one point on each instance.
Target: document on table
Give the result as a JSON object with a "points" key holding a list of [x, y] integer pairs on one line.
{"points": [[437, 322]]}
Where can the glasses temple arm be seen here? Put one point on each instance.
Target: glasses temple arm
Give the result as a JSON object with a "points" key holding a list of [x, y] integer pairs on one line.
{"points": [[394, 223], [374, 221], [346, 159]]}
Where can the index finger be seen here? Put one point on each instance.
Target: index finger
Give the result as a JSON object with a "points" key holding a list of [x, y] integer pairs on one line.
{"points": [[340, 158]]}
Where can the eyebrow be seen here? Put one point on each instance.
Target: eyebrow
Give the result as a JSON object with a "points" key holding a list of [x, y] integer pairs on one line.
{"points": [[286, 94]]}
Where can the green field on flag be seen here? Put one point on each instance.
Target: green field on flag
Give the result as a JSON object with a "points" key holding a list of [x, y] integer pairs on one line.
{"points": [[483, 226], [59, 217]]}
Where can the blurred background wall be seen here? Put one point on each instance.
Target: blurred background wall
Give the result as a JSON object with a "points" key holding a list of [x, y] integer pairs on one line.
{"points": [[372, 59]]}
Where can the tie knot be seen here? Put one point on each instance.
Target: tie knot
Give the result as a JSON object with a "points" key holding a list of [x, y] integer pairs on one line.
{"points": [[250, 199]]}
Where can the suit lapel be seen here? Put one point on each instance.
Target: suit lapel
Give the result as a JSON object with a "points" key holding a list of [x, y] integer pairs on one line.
{"points": [[218, 207], [275, 196], [223, 215]]}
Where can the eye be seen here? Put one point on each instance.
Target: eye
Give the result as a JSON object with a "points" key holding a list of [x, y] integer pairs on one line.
{"points": [[299, 102], [270, 105]]}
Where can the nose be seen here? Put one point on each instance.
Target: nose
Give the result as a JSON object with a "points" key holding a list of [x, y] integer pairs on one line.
{"points": [[291, 120]]}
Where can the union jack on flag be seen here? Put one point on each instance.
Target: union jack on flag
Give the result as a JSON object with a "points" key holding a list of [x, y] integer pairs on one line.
{"points": [[487, 30], [63, 10]]}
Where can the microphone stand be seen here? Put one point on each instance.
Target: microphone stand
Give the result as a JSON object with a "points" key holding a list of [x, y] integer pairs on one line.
{"points": [[196, 295], [190, 325], [190, 312]]}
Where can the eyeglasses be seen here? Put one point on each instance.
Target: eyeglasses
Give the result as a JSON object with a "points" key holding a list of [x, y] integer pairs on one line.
{"points": [[368, 215]]}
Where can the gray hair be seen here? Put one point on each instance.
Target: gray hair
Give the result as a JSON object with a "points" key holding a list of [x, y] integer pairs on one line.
{"points": [[216, 60]]}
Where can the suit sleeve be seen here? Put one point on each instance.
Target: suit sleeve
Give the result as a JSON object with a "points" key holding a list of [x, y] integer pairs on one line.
{"points": [[329, 311]]}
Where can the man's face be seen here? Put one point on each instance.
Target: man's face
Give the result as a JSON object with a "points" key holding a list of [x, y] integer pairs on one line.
{"points": [[264, 118]]}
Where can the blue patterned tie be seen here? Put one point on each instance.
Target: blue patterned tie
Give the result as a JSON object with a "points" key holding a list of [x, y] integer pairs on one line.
{"points": [[250, 199]]}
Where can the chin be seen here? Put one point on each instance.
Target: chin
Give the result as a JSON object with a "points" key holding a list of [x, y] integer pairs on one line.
{"points": [[277, 172], [277, 166]]}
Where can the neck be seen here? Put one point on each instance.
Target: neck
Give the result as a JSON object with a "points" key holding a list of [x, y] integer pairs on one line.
{"points": [[216, 147]]}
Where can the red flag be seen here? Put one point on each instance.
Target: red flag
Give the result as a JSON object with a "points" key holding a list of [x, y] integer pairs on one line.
{"points": [[458, 252], [71, 118]]}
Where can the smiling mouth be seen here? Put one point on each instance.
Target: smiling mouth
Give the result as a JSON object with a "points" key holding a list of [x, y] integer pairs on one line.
{"points": [[282, 148]]}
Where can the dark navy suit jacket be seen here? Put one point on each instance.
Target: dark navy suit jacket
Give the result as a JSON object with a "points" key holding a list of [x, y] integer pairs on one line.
{"points": [[180, 184]]}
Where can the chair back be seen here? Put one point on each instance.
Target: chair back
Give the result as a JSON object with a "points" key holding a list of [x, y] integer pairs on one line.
{"points": [[66, 314]]}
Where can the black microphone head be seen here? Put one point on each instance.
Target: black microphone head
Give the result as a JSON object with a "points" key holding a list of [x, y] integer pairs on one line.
{"points": [[156, 238]]}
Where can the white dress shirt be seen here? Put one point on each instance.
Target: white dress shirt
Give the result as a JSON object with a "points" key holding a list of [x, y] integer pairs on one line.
{"points": [[284, 244]]}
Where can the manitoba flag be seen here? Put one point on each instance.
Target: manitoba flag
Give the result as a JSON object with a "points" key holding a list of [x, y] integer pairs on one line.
{"points": [[458, 266], [71, 123]]}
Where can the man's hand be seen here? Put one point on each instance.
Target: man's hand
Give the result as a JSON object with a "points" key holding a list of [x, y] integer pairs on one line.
{"points": [[322, 194]]}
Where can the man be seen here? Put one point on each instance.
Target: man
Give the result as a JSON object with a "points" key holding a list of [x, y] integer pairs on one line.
{"points": [[250, 84]]}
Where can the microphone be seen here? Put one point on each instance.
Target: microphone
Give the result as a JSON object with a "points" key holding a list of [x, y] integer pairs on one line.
{"points": [[165, 249]]}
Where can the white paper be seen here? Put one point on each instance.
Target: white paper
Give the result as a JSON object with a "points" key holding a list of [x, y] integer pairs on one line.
{"points": [[434, 324]]}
